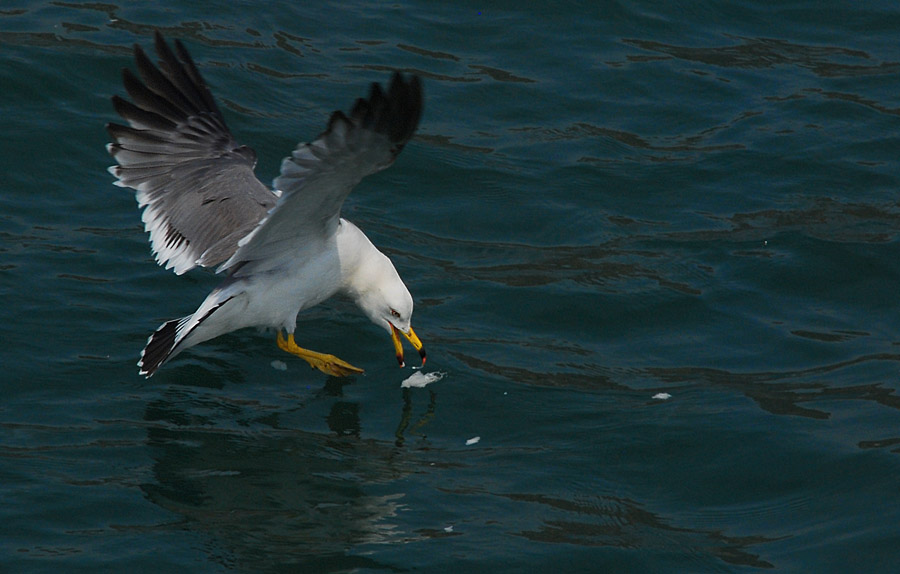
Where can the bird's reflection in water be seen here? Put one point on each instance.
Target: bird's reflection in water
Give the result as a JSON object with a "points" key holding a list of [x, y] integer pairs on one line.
{"points": [[344, 416], [264, 494], [405, 419]]}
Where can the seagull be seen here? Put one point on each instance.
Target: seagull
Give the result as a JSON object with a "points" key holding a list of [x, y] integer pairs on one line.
{"points": [[281, 250]]}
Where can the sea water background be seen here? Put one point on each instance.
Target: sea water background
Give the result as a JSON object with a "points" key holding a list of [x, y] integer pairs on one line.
{"points": [[605, 201]]}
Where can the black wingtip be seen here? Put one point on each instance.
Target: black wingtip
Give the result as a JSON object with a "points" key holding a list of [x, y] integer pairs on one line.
{"points": [[162, 47], [159, 347], [395, 112], [406, 99]]}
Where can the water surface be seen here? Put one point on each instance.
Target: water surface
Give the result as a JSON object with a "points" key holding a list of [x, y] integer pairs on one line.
{"points": [[605, 203]]}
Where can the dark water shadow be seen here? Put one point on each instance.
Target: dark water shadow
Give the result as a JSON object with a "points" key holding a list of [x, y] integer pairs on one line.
{"points": [[786, 392], [776, 392], [270, 498], [625, 523], [756, 53]]}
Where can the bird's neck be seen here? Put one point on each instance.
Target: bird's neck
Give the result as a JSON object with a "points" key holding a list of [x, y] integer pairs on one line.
{"points": [[360, 260], [366, 272]]}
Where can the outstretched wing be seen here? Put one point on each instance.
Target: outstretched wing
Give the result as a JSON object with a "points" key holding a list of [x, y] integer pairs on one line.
{"points": [[318, 176], [193, 180]]}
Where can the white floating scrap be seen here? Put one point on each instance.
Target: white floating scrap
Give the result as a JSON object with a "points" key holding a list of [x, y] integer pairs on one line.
{"points": [[662, 396], [279, 365], [420, 379], [473, 440]]}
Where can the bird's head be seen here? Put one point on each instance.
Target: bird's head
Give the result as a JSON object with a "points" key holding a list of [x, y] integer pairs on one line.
{"points": [[386, 301]]}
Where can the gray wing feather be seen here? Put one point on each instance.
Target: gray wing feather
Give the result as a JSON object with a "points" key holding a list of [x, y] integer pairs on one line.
{"points": [[318, 176], [194, 182]]}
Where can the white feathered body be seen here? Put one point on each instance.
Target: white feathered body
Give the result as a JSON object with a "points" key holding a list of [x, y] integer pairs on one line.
{"points": [[345, 264]]}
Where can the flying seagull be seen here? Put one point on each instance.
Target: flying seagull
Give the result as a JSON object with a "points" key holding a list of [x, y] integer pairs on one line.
{"points": [[281, 250]]}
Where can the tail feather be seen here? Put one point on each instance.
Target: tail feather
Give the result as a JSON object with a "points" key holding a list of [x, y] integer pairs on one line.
{"points": [[161, 344], [176, 335]]}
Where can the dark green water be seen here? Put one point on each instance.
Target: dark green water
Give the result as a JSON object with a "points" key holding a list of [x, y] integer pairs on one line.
{"points": [[604, 202]]}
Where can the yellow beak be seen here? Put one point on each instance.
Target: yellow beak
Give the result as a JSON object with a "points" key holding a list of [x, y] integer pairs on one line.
{"points": [[398, 345]]}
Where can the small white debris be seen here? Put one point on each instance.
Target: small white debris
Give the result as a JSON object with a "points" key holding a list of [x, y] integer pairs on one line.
{"points": [[279, 365], [662, 396], [449, 528], [473, 440], [420, 379]]}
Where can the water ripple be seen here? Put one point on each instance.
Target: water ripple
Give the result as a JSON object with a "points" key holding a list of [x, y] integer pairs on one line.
{"points": [[825, 61]]}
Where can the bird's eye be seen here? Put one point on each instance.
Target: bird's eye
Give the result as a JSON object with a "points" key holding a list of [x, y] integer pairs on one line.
{"points": [[395, 313]]}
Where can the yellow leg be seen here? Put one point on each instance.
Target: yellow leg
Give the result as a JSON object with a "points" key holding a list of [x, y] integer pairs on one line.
{"points": [[326, 363]]}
